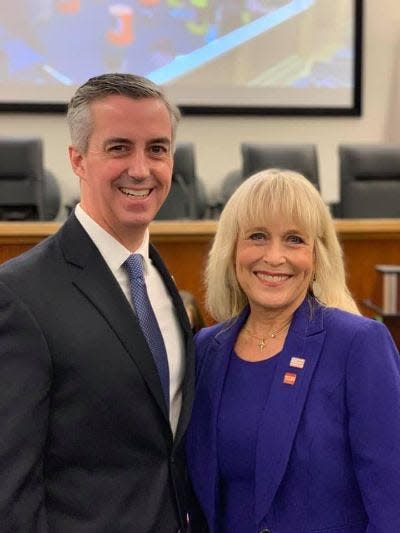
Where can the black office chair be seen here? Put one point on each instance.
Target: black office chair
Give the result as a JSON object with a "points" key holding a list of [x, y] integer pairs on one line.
{"points": [[369, 181], [27, 190], [187, 197], [255, 157]]}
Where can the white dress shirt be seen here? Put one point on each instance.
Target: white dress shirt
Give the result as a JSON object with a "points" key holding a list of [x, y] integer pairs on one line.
{"points": [[115, 254]]}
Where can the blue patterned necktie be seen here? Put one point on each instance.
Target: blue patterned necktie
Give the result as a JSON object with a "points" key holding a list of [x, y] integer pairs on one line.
{"points": [[147, 319]]}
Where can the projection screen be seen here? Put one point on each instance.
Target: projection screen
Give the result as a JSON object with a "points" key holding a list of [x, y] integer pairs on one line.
{"points": [[212, 56]]}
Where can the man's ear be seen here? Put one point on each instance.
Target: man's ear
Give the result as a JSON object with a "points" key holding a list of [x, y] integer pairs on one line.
{"points": [[77, 161]]}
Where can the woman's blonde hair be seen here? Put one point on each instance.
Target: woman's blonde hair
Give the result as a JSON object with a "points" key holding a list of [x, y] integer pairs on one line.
{"points": [[268, 194]]}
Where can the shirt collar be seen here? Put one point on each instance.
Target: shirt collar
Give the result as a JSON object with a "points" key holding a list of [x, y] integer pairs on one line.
{"points": [[113, 252]]}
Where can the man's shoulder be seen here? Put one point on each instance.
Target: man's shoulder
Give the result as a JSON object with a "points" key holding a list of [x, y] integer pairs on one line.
{"points": [[28, 258], [32, 265], [45, 254]]}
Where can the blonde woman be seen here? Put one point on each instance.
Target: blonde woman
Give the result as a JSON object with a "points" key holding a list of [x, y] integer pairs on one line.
{"points": [[296, 420]]}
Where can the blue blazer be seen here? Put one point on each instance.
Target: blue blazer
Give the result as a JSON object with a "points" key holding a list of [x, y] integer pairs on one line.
{"points": [[328, 451]]}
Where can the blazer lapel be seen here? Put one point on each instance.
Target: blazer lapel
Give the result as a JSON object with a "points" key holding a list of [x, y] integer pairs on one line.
{"points": [[207, 413], [286, 401], [90, 274]]}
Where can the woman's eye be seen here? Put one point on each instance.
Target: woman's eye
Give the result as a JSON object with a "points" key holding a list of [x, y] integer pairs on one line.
{"points": [[258, 236], [295, 239]]}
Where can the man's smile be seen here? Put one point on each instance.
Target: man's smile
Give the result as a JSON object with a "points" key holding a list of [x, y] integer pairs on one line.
{"points": [[137, 193]]}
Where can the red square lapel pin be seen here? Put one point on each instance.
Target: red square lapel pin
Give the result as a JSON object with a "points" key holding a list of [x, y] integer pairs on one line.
{"points": [[289, 378]]}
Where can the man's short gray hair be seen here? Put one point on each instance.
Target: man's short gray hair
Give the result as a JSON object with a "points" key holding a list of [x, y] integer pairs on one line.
{"points": [[136, 87]]}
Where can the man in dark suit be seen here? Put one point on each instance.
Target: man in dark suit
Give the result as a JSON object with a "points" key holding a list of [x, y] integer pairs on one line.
{"points": [[89, 442]]}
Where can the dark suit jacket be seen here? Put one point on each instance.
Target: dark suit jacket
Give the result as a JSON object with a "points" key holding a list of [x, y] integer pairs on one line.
{"points": [[85, 442], [327, 455]]}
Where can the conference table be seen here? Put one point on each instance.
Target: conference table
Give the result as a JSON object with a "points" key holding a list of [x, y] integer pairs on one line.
{"points": [[184, 245]]}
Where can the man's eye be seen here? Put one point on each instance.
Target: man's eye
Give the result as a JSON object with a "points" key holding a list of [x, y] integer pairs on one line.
{"points": [[159, 149], [118, 148]]}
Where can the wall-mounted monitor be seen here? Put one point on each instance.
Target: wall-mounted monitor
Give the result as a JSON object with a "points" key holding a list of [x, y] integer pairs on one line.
{"points": [[281, 57]]}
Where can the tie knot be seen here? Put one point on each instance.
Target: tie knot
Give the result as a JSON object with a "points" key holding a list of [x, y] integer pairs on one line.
{"points": [[134, 266]]}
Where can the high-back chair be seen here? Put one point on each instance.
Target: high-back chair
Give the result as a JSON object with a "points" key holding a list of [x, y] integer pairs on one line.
{"points": [[187, 197], [369, 181], [27, 190], [302, 158]]}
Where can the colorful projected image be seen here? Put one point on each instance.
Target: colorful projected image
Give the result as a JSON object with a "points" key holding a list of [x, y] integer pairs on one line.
{"points": [[69, 40], [213, 52]]}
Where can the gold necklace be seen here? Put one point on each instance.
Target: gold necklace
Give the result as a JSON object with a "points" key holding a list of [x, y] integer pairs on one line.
{"points": [[261, 340]]}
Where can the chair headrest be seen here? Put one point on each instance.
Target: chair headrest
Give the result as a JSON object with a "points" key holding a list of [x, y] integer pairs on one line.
{"points": [[301, 158], [184, 162], [21, 158], [370, 162]]}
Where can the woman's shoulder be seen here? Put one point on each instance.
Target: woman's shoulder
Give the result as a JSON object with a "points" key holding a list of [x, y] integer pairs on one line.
{"points": [[357, 329], [356, 344], [348, 321], [205, 335], [213, 341]]}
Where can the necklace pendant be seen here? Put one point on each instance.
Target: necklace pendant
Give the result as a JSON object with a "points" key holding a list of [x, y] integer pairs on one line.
{"points": [[261, 344]]}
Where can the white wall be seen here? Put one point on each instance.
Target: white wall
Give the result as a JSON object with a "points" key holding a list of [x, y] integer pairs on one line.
{"points": [[217, 139]]}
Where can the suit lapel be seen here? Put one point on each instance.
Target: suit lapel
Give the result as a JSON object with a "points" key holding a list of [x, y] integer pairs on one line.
{"points": [[91, 275], [188, 382], [285, 404]]}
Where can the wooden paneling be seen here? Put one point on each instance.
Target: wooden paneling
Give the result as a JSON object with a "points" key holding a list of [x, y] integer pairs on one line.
{"points": [[184, 246], [366, 243], [17, 237]]}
